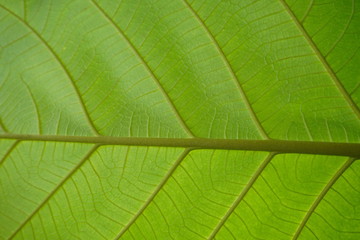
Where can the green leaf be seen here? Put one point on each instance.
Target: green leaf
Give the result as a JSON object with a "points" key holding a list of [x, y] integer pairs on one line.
{"points": [[179, 119]]}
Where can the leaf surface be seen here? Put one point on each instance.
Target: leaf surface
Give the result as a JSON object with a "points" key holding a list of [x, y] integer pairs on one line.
{"points": [[179, 119]]}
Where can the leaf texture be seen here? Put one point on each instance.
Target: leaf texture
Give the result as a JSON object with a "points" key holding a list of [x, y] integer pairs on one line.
{"points": [[182, 119]]}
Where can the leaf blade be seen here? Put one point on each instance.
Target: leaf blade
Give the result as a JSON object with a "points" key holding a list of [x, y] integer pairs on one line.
{"points": [[181, 103]]}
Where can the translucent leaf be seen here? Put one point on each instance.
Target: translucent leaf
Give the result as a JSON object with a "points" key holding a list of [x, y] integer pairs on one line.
{"points": [[179, 119]]}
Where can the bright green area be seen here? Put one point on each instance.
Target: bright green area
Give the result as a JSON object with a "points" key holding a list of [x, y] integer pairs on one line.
{"points": [[246, 70]]}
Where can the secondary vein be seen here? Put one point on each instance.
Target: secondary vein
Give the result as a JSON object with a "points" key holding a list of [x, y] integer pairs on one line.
{"points": [[242, 194], [8, 152], [232, 73], [321, 196], [148, 69], [62, 65], [322, 59], [53, 192], [155, 192]]}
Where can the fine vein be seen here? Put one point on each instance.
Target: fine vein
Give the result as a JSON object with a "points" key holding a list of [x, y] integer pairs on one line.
{"points": [[232, 72], [269, 145], [322, 59], [147, 67], [242, 194], [328, 186], [52, 193]]}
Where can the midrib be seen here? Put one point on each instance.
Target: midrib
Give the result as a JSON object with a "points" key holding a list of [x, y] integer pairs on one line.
{"points": [[278, 146]]}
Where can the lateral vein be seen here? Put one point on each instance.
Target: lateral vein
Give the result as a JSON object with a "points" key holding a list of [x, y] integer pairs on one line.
{"points": [[8, 152], [62, 65], [242, 194], [322, 59], [155, 192], [52, 193], [232, 73], [321, 196], [147, 67]]}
